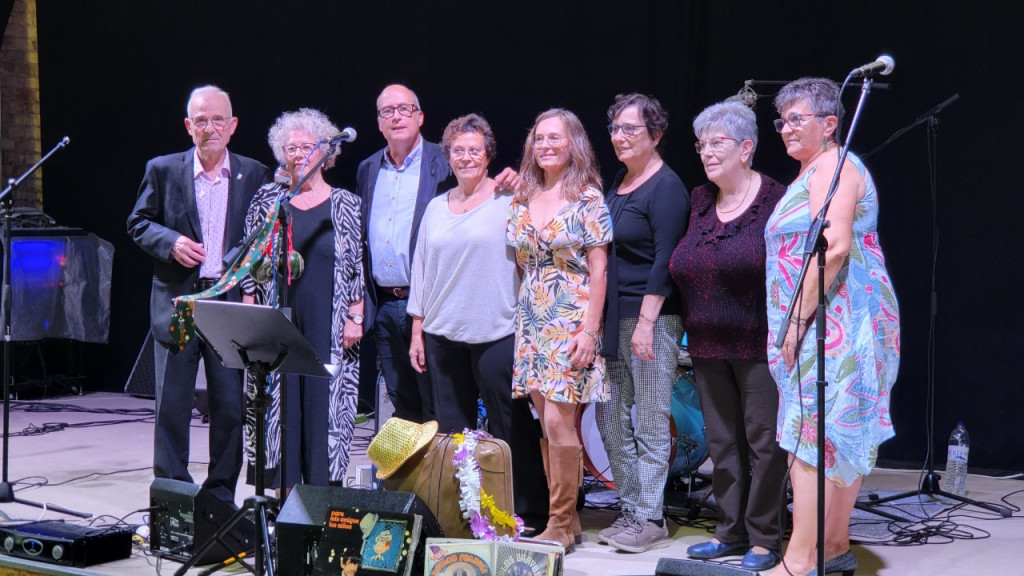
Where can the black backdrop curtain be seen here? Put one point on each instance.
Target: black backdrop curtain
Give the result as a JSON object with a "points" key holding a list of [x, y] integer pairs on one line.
{"points": [[115, 76]]}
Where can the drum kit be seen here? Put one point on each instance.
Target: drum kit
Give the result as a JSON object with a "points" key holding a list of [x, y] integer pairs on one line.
{"points": [[689, 445]]}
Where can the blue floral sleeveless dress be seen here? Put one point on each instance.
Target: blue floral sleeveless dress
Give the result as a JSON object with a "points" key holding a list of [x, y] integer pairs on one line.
{"points": [[862, 343]]}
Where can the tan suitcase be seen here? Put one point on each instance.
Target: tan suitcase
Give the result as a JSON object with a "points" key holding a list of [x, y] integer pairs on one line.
{"points": [[430, 475]]}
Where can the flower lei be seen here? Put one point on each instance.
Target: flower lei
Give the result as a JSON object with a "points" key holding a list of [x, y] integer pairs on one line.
{"points": [[473, 500]]}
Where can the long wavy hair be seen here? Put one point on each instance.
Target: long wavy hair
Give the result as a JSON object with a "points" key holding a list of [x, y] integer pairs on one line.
{"points": [[582, 171]]}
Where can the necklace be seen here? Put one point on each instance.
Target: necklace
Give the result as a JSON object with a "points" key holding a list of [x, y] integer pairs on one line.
{"points": [[466, 202], [742, 201], [312, 197]]}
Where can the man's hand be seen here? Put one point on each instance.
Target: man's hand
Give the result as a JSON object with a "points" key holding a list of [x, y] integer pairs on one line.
{"points": [[508, 179], [188, 253]]}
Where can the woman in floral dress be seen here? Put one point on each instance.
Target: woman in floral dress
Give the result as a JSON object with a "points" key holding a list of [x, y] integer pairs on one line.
{"points": [[560, 228]]}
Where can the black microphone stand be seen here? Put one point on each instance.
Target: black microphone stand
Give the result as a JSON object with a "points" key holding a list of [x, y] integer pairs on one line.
{"points": [[7, 198], [930, 484], [817, 244]]}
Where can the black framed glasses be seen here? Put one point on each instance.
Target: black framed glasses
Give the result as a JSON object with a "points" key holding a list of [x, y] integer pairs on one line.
{"points": [[794, 120], [403, 109], [716, 144], [293, 149], [202, 122], [628, 130]]}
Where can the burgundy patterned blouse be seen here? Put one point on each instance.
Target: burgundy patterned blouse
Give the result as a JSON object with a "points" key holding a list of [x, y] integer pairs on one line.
{"points": [[719, 269]]}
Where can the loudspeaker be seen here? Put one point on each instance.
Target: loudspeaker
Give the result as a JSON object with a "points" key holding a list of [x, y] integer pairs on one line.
{"points": [[302, 518], [186, 516], [142, 380], [677, 567]]}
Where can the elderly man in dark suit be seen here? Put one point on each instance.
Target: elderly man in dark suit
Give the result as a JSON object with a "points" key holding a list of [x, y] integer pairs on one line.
{"points": [[190, 211]]}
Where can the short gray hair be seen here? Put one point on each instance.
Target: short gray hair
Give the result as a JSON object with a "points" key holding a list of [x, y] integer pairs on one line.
{"points": [[203, 90], [735, 119], [313, 122], [821, 94]]}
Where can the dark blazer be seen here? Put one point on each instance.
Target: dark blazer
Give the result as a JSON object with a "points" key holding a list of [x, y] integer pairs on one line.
{"points": [[434, 170], [166, 208]]}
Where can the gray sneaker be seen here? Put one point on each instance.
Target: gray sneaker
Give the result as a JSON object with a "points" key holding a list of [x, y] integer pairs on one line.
{"points": [[624, 519], [641, 536]]}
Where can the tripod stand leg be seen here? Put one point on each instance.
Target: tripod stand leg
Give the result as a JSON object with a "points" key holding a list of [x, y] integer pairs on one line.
{"points": [[7, 496], [263, 547], [263, 564], [868, 507]]}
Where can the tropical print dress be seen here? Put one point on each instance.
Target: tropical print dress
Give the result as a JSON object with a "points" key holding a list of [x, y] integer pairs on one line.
{"points": [[862, 341], [554, 298]]}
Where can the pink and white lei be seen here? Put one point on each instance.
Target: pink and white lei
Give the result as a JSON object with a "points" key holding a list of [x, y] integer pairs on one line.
{"points": [[475, 503]]}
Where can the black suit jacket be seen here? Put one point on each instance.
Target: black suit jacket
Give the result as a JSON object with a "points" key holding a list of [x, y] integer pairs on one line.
{"points": [[434, 170], [166, 208]]}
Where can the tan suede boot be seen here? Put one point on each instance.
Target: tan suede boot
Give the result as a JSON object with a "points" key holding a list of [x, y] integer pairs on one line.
{"points": [[563, 468], [574, 523]]}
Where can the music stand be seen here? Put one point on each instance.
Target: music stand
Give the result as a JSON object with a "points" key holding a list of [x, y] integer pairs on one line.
{"points": [[263, 341]]}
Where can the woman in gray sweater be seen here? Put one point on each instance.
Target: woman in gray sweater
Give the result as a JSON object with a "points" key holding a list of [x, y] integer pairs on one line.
{"points": [[462, 300]]}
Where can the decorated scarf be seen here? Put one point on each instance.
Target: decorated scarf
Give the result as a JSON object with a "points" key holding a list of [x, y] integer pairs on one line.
{"points": [[183, 328]]}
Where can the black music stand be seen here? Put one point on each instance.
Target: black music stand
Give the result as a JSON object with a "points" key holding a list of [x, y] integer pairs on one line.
{"points": [[261, 340]]}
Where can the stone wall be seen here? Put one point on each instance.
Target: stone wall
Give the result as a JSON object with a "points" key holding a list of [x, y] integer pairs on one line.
{"points": [[20, 140]]}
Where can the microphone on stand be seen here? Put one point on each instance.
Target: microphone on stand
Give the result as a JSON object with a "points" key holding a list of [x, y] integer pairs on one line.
{"points": [[882, 66], [347, 135]]}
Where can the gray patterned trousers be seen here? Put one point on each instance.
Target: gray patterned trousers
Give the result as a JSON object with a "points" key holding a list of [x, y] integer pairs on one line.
{"points": [[638, 450]]}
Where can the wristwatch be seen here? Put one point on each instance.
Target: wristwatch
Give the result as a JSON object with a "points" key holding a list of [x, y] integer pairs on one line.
{"points": [[356, 319]]}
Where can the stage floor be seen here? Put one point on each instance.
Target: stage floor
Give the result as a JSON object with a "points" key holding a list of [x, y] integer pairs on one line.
{"points": [[93, 453]]}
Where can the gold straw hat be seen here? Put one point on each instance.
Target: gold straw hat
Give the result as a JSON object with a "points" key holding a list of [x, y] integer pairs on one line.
{"points": [[396, 442]]}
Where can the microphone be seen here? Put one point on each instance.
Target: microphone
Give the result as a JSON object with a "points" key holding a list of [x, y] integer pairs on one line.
{"points": [[882, 66], [347, 135]]}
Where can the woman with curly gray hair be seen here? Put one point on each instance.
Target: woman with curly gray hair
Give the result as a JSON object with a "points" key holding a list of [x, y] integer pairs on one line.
{"points": [[323, 229]]}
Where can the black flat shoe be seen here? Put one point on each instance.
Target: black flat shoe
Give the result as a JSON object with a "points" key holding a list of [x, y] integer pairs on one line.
{"points": [[708, 550]]}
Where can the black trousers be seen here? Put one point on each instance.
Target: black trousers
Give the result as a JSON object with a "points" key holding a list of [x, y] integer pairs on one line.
{"points": [[460, 373], [175, 391], [740, 403]]}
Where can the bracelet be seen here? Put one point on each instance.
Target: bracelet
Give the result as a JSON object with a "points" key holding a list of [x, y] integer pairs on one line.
{"points": [[798, 321], [597, 339], [646, 318]]}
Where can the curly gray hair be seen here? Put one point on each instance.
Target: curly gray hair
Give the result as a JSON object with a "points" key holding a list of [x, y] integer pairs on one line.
{"points": [[308, 120]]}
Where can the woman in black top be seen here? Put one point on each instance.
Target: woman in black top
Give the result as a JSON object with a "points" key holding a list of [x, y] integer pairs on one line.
{"points": [[649, 206]]}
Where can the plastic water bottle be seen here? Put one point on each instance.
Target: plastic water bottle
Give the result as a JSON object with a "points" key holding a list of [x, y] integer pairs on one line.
{"points": [[956, 461]]}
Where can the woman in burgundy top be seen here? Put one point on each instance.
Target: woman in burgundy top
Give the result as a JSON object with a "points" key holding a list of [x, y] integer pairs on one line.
{"points": [[719, 267]]}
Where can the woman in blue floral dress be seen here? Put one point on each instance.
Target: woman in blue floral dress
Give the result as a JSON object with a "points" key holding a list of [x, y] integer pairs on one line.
{"points": [[862, 341]]}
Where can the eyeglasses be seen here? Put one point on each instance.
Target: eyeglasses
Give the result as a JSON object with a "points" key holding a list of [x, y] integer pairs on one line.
{"points": [[794, 120], [403, 109], [292, 149], [475, 153], [550, 139], [202, 122], [628, 130], [716, 145]]}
